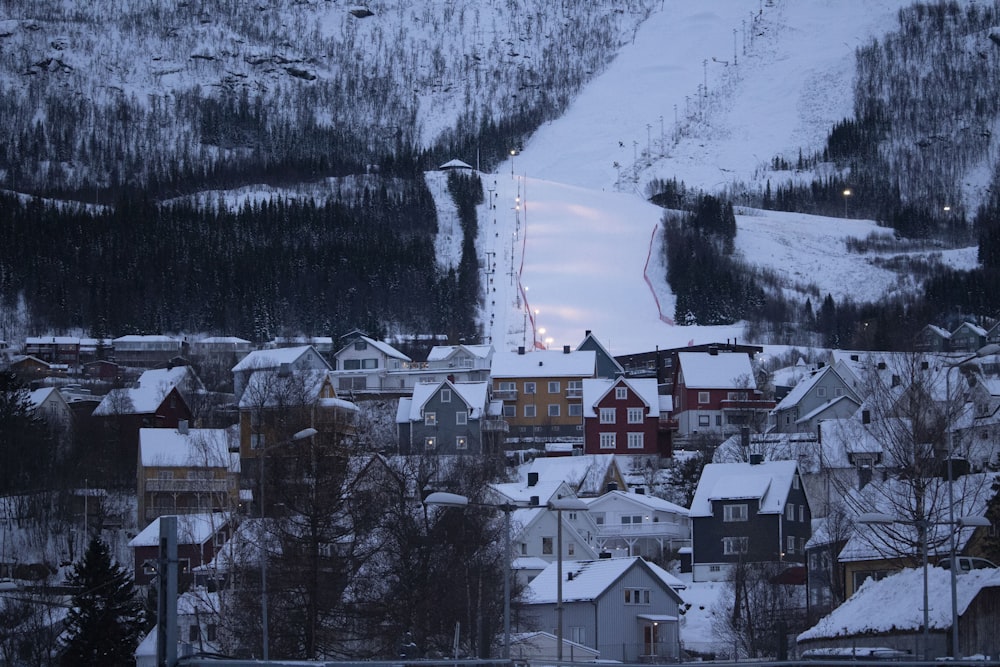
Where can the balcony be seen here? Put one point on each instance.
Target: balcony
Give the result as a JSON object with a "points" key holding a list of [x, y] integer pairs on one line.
{"points": [[574, 392], [668, 424], [505, 394], [188, 485], [661, 529], [495, 425]]}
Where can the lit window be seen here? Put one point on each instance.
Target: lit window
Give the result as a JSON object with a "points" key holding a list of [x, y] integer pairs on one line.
{"points": [[607, 415], [461, 442], [636, 441], [430, 443], [430, 419]]}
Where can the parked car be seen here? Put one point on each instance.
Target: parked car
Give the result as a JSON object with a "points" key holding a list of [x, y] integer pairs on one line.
{"points": [[966, 563]]}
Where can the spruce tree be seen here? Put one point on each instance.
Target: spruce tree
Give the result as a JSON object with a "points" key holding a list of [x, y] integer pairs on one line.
{"points": [[106, 621]]}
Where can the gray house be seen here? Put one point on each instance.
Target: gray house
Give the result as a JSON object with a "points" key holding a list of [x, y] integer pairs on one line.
{"points": [[825, 394], [626, 608], [450, 418]]}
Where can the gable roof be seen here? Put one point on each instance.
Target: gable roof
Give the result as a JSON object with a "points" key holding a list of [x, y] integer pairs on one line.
{"points": [[445, 352], [803, 387], [544, 363], [595, 389], [191, 529], [769, 481], [641, 499], [895, 603], [473, 394], [587, 580], [266, 388], [199, 447], [148, 393], [521, 493], [381, 346], [586, 473], [725, 370], [274, 358]]}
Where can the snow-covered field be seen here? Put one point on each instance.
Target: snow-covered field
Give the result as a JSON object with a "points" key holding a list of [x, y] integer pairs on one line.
{"points": [[581, 238]]}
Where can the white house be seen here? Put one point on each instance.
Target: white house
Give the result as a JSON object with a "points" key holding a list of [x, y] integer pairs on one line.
{"points": [[635, 524]]}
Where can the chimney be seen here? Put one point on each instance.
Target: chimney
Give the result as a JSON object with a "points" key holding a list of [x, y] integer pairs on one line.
{"points": [[895, 380], [533, 501], [866, 417], [881, 365], [565, 349], [756, 459], [532, 478], [520, 349], [586, 333], [569, 576], [182, 426]]}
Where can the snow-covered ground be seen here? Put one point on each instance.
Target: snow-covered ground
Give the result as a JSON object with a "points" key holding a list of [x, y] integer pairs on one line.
{"points": [[574, 242]]}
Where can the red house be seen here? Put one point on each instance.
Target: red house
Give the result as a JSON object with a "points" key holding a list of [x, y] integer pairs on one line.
{"points": [[716, 392], [199, 536], [623, 416]]}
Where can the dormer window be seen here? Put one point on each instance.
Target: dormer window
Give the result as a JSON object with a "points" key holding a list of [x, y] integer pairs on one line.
{"points": [[621, 393]]}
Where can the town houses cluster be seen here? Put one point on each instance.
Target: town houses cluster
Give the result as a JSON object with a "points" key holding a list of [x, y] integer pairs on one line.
{"points": [[797, 459]]}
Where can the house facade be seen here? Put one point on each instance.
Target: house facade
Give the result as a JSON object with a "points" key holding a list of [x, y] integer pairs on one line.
{"points": [[822, 395], [967, 337], [54, 349], [626, 608], [606, 365], [716, 392], [634, 524], [748, 512], [622, 416], [450, 418], [186, 471], [199, 537], [542, 392], [280, 361], [363, 364], [147, 351]]}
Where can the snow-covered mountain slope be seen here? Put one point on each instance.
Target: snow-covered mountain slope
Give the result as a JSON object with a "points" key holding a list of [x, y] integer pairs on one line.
{"points": [[584, 244]]}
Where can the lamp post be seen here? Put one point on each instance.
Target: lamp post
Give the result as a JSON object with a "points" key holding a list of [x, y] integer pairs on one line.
{"points": [[443, 499], [922, 526], [301, 435], [847, 193], [984, 351], [559, 505]]}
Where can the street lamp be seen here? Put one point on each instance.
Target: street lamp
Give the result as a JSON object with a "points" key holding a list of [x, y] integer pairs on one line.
{"points": [[301, 435], [559, 505], [444, 499], [847, 193], [922, 526], [984, 351], [513, 152]]}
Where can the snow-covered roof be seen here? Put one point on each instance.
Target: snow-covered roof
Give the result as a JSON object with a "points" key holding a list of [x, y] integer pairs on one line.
{"points": [[895, 603], [265, 388], [381, 346], [585, 473], [52, 340], [725, 370], [651, 502], [544, 363], [445, 352], [793, 397], [590, 578], [274, 358], [39, 396], [472, 393], [147, 394], [199, 447], [455, 164], [768, 481], [595, 389], [521, 493], [191, 529], [135, 338]]}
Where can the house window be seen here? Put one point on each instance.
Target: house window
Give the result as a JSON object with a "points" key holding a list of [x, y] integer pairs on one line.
{"points": [[734, 545], [608, 441], [802, 513], [630, 519], [212, 632], [574, 387], [607, 415], [546, 546], [737, 396], [506, 387], [598, 518], [165, 474], [553, 409], [446, 395], [529, 411], [430, 419], [571, 548], [635, 415], [430, 443], [578, 634], [554, 387], [636, 441], [715, 568], [637, 596], [360, 345], [703, 397], [790, 544], [790, 512], [369, 364], [529, 387], [838, 392], [576, 409], [461, 442], [621, 393], [194, 633], [510, 411], [718, 420], [734, 512], [461, 418], [256, 441], [821, 392], [352, 364], [795, 481], [703, 420]]}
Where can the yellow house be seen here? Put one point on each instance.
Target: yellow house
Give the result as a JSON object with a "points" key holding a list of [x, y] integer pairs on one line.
{"points": [[542, 392], [186, 471]]}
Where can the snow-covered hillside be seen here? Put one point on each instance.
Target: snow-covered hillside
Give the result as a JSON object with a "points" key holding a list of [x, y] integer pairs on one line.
{"points": [[583, 241]]}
